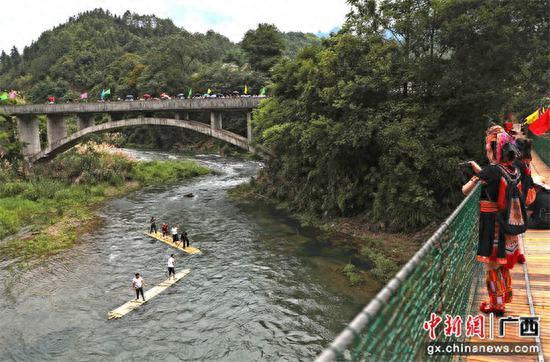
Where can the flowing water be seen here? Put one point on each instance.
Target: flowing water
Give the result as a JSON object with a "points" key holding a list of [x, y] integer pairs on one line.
{"points": [[262, 289]]}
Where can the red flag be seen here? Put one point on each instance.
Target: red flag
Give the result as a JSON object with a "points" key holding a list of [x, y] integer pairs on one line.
{"points": [[542, 124]]}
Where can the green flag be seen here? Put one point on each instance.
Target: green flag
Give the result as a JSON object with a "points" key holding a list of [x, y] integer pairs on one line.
{"points": [[4, 96], [262, 91], [190, 93], [107, 92], [209, 91]]}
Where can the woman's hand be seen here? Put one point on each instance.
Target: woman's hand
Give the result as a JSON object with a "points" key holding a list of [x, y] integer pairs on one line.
{"points": [[475, 167], [469, 186]]}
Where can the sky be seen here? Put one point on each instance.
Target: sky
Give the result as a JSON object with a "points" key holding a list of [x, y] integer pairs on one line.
{"points": [[24, 20]]}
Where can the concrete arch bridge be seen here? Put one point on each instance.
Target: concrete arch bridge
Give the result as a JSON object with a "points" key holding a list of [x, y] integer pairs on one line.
{"points": [[123, 115]]}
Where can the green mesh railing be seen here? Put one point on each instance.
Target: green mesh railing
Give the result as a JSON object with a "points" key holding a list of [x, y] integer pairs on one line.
{"points": [[441, 278], [542, 146]]}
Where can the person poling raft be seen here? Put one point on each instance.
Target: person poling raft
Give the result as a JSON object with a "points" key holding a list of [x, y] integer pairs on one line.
{"points": [[149, 294]]}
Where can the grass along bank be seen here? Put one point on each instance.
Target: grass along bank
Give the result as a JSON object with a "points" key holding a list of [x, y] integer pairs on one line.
{"points": [[43, 210]]}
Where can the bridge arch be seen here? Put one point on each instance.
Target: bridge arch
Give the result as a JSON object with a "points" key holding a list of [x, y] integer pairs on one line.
{"points": [[66, 143]]}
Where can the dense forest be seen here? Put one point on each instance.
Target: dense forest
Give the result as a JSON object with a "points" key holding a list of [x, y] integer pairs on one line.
{"points": [[375, 120], [137, 54], [371, 121]]}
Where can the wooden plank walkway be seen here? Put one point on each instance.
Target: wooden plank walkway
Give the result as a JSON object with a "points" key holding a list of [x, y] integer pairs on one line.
{"points": [[536, 246], [149, 294]]}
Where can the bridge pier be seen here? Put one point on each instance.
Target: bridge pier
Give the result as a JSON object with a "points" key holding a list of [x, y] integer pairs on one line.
{"points": [[216, 120], [249, 126], [57, 128], [29, 134], [249, 135], [84, 120]]}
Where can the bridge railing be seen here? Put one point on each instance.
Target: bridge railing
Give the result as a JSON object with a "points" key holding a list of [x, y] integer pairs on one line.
{"points": [[440, 278]]}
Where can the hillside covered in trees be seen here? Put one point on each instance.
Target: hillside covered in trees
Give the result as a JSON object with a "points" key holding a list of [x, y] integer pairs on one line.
{"points": [[375, 120], [136, 54], [370, 122]]}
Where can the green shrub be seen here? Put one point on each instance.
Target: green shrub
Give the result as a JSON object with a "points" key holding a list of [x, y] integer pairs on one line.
{"points": [[11, 188], [166, 171], [350, 271], [384, 268]]}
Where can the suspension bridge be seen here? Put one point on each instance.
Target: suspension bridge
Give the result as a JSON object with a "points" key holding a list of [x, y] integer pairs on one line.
{"points": [[444, 277]]}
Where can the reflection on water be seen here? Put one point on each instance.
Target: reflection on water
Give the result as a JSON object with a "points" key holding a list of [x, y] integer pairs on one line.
{"points": [[263, 289]]}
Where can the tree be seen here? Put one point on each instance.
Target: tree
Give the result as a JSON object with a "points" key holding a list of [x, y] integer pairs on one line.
{"points": [[263, 47], [375, 120]]}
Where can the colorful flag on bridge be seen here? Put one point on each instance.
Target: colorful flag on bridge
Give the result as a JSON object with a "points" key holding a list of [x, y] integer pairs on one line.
{"points": [[105, 93], [245, 89], [209, 91], [542, 124], [4, 96], [84, 95], [13, 94], [262, 91], [534, 116], [190, 93]]}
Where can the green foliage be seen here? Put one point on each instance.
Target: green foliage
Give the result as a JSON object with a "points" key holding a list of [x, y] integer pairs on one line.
{"points": [[263, 46], [10, 147], [166, 171], [375, 119], [296, 41], [136, 54], [350, 271], [384, 268]]}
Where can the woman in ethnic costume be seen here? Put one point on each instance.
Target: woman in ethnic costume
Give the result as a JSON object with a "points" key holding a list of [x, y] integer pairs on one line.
{"points": [[499, 251]]}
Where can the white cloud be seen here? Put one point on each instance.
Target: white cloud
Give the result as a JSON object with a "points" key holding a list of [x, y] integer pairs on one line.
{"points": [[23, 21]]}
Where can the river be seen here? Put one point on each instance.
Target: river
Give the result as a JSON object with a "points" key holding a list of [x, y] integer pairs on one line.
{"points": [[262, 289]]}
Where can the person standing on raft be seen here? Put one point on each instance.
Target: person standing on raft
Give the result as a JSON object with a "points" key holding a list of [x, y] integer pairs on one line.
{"points": [[171, 269], [502, 217], [164, 230], [138, 283], [153, 225], [175, 233], [184, 239]]}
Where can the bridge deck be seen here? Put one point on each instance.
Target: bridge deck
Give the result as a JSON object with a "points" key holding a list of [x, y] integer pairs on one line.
{"points": [[199, 104], [537, 269]]}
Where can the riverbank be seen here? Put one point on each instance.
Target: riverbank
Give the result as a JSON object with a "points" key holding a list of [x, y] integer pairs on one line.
{"points": [[376, 253], [48, 208]]}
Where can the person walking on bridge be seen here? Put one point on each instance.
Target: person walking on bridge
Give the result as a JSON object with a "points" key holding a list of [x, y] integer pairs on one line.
{"points": [[171, 269], [138, 283], [502, 217]]}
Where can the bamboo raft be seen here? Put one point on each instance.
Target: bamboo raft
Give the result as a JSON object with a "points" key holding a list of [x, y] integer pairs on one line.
{"points": [[168, 240], [149, 294]]}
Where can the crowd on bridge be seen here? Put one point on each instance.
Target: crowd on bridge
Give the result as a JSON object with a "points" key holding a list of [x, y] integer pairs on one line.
{"points": [[511, 200], [105, 96]]}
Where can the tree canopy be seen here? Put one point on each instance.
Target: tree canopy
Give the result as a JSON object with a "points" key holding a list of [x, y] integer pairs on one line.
{"points": [[132, 54], [375, 120]]}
